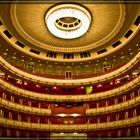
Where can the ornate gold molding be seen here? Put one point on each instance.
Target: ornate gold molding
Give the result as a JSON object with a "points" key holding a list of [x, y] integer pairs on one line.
{"points": [[61, 82], [71, 98], [26, 109], [71, 128], [113, 108]]}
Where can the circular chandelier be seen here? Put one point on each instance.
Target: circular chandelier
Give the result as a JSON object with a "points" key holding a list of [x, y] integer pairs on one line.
{"points": [[68, 21]]}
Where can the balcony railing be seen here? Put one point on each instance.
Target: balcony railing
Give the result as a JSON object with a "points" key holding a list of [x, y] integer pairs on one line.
{"points": [[72, 127], [71, 98]]}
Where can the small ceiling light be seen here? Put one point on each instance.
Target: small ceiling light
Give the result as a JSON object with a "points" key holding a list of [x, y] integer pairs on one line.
{"points": [[61, 133], [25, 83], [75, 133], [62, 115], [37, 85], [117, 81], [99, 85], [111, 83], [75, 115]]}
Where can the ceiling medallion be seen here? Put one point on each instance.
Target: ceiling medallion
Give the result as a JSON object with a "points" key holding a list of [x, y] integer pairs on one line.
{"points": [[68, 21]]}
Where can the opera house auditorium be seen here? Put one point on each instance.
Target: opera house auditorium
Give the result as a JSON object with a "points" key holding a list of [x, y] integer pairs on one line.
{"points": [[69, 70]]}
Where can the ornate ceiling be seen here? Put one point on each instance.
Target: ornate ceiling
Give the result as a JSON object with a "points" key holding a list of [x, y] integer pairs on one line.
{"points": [[110, 41]]}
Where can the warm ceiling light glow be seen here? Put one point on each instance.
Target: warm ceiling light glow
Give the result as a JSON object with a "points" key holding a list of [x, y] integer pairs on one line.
{"points": [[54, 87], [62, 115], [25, 83], [37, 86], [118, 81], [127, 76], [75, 115], [111, 83], [68, 21], [99, 85]]}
